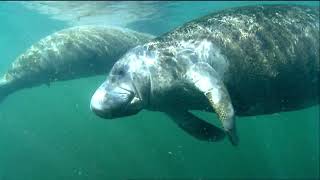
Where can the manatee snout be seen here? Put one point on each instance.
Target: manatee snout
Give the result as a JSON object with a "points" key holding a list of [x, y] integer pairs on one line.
{"points": [[113, 101], [97, 103]]}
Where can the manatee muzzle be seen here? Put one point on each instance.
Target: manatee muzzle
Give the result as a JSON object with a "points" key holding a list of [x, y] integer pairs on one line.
{"points": [[113, 102]]}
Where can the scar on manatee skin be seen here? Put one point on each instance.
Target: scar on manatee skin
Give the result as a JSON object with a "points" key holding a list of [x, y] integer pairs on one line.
{"points": [[84, 15]]}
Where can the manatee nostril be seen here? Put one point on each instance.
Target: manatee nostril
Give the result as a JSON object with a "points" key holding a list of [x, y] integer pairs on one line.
{"points": [[98, 96], [97, 100]]}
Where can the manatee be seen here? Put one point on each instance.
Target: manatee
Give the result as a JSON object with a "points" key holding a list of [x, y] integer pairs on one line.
{"points": [[71, 53], [243, 61]]}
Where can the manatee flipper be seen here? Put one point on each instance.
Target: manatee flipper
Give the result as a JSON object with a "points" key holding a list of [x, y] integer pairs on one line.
{"points": [[196, 127], [207, 80]]}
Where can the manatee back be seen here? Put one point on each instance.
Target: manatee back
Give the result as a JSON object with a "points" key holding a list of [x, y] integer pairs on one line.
{"points": [[74, 52], [71, 53], [258, 38], [272, 51]]}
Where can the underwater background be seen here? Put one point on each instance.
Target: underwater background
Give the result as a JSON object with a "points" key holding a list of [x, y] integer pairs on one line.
{"points": [[50, 133]]}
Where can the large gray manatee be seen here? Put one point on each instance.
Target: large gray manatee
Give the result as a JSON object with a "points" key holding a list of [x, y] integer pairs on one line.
{"points": [[71, 53], [241, 61]]}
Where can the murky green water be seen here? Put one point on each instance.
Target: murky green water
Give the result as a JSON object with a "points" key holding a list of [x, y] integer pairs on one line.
{"points": [[50, 133]]}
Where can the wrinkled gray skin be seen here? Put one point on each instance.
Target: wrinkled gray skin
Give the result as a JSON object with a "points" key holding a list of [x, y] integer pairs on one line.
{"points": [[245, 61], [71, 53]]}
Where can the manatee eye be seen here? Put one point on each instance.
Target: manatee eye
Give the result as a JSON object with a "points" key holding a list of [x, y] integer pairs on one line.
{"points": [[120, 72]]}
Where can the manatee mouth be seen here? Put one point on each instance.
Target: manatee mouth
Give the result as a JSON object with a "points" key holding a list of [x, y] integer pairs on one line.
{"points": [[114, 103]]}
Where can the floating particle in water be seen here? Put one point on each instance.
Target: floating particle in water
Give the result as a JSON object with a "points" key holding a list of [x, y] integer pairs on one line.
{"points": [[78, 172], [77, 106]]}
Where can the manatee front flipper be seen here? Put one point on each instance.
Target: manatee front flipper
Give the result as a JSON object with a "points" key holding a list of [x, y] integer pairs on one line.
{"points": [[207, 80], [196, 127]]}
